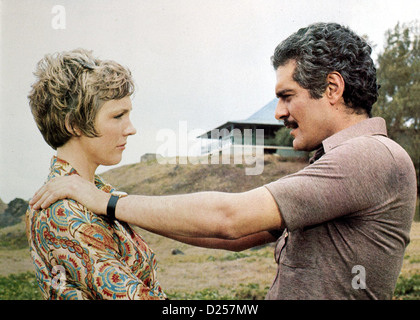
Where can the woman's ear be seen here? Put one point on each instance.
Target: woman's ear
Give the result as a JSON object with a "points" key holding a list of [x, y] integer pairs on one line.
{"points": [[70, 127], [335, 88]]}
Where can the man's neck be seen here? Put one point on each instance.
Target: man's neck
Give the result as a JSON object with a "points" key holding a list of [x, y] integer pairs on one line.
{"points": [[346, 119]]}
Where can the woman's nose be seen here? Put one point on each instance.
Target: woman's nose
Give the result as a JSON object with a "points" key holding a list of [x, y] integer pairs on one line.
{"points": [[130, 130]]}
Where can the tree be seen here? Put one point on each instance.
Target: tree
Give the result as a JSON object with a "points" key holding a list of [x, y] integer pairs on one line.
{"points": [[283, 138], [398, 72]]}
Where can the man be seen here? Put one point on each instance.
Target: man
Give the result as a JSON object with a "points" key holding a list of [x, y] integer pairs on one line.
{"points": [[343, 222]]}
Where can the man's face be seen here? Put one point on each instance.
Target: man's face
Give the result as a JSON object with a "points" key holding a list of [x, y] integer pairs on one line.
{"points": [[309, 118]]}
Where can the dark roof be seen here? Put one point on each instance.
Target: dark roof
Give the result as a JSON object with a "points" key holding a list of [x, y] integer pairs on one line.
{"points": [[263, 117]]}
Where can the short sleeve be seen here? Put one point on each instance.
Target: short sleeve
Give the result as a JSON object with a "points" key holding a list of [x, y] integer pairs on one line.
{"points": [[346, 180]]}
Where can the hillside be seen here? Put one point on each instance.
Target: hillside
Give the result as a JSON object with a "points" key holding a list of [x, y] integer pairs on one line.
{"points": [[152, 178], [12, 213]]}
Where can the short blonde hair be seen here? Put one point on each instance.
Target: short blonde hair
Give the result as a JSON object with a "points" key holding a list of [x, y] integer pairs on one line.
{"points": [[70, 89]]}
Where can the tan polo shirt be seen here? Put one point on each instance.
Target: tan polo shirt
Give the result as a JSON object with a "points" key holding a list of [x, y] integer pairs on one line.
{"points": [[348, 216]]}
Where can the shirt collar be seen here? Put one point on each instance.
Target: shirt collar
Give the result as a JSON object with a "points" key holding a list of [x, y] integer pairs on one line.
{"points": [[60, 168], [371, 126]]}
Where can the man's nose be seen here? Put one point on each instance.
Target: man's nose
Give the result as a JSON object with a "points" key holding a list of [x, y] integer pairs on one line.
{"points": [[281, 111]]}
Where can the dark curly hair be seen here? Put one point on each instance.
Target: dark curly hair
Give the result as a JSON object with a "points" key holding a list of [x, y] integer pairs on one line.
{"points": [[322, 48]]}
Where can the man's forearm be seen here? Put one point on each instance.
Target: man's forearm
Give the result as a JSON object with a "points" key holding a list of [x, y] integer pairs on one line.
{"points": [[237, 245], [204, 214], [193, 215]]}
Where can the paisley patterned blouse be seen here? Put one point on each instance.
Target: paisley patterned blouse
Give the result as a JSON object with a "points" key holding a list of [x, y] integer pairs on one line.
{"points": [[80, 255]]}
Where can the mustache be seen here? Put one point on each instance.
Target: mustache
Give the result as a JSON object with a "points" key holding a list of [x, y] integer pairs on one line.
{"points": [[290, 124]]}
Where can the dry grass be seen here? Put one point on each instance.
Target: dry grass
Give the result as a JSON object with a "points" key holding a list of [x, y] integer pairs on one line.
{"points": [[198, 268], [16, 260], [411, 263]]}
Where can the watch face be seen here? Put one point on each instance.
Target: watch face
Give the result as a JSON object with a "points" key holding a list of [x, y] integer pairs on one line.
{"points": [[119, 193]]}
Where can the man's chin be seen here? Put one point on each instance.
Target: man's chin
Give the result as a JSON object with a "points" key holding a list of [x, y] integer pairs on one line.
{"points": [[299, 146]]}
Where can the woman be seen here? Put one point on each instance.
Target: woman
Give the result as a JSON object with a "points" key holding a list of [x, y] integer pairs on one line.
{"points": [[82, 107]]}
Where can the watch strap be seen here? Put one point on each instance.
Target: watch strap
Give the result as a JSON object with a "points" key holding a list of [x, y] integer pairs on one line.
{"points": [[110, 209]]}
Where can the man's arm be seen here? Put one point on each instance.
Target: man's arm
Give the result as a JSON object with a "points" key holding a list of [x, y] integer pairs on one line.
{"points": [[247, 242], [203, 214]]}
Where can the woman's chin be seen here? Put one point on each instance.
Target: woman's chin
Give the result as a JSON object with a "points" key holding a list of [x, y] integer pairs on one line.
{"points": [[112, 162]]}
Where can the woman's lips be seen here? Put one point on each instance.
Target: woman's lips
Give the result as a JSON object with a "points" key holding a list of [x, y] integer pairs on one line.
{"points": [[122, 146]]}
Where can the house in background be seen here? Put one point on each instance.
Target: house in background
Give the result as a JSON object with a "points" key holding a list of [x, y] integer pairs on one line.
{"points": [[243, 132], [257, 131]]}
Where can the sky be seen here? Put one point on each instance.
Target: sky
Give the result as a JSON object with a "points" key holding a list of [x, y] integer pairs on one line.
{"points": [[196, 63]]}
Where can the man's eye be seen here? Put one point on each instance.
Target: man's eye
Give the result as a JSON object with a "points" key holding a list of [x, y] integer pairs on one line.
{"points": [[119, 116]]}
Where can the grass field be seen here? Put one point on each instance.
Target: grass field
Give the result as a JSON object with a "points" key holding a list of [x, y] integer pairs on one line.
{"points": [[197, 273]]}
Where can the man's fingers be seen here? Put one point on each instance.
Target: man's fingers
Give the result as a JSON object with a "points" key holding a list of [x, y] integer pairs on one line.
{"points": [[49, 200], [47, 195], [40, 200], [36, 197], [73, 187]]}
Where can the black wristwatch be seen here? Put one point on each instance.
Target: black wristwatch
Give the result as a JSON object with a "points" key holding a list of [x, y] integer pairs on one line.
{"points": [[112, 203]]}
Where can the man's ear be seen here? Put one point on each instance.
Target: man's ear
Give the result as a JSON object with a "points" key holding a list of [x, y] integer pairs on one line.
{"points": [[335, 88], [71, 128]]}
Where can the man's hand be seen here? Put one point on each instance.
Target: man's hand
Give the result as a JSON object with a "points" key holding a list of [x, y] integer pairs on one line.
{"points": [[71, 187]]}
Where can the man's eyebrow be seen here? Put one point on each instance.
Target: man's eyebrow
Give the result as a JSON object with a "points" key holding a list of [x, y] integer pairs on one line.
{"points": [[282, 93]]}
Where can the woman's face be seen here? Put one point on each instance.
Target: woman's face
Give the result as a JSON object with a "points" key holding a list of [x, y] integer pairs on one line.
{"points": [[113, 125]]}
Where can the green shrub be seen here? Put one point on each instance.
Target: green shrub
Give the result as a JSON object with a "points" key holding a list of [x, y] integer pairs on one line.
{"points": [[205, 294], [408, 288], [13, 240], [250, 291], [22, 286]]}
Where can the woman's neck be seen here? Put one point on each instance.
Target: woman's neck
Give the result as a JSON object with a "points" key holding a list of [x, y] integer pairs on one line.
{"points": [[78, 160]]}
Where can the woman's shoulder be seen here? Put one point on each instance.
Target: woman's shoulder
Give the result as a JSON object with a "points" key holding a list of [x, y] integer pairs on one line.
{"points": [[65, 215]]}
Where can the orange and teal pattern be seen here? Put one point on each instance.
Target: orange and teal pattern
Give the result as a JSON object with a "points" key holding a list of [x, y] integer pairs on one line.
{"points": [[96, 258]]}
